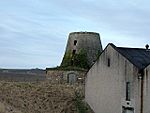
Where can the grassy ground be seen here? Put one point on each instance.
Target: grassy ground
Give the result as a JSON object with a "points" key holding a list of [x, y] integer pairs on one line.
{"points": [[41, 97]]}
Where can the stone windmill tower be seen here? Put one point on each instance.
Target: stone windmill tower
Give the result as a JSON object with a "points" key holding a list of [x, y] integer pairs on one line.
{"points": [[82, 49]]}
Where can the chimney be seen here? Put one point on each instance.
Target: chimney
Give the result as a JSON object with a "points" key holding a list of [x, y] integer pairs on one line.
{"points": [[147, 46]]}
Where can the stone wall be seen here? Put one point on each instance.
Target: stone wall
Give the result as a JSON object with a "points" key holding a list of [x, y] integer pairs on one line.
{"points": [[63, 76], [86, 43]]}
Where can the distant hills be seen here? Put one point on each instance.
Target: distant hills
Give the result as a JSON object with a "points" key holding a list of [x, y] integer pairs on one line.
{"points": [[22, 74]]}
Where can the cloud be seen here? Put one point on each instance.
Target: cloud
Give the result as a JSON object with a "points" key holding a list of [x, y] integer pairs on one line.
{"points": [[33, 33]]}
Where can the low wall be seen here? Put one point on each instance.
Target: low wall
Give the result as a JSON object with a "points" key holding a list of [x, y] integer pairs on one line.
{"points": [[62, 76]]}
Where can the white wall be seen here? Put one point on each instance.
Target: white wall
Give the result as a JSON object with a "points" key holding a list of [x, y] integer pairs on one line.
{"points": [[147, 90], [105, 88]]}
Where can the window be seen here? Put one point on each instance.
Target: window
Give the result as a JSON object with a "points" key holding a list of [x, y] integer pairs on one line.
{"points": [[128, 91], [73, 52], [108, 62], [75, 42]]}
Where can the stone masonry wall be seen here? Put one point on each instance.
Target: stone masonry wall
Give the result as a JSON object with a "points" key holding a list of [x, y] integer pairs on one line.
{"points": [[89, 42], [61, 76]]}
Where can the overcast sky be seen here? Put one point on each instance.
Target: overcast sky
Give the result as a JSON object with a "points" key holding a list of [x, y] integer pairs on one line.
{"points": [[33, 33]]}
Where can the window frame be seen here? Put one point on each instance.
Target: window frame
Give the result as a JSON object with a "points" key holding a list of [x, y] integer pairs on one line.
{"points": [[128, 91]]}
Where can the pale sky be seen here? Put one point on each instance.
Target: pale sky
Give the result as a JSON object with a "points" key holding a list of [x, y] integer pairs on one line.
{"points": [[33, 33]]}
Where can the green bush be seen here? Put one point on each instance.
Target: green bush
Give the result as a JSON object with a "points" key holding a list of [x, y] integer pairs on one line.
{"points": [[80, 105], [77, 60], [67, 59], [80, 59]]}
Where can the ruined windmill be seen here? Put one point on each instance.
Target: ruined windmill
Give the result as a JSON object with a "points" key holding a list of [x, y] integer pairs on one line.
{"points": [[83, 48]]}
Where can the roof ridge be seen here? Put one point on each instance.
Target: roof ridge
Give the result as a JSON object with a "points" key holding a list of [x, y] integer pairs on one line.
{"points": [[131, 48], [142, 59]]}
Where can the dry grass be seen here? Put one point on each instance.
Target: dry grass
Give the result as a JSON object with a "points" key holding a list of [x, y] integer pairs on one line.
{"points": [[40, 97], [36, 98]]}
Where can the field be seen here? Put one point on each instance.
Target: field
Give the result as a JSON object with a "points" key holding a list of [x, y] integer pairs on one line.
{"points": [[40, 97]]}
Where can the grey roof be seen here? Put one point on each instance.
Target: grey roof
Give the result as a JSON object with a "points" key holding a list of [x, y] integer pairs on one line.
{"points": [[137, 56]]}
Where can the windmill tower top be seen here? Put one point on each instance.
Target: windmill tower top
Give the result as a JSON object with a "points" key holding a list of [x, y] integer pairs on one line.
{"points": [[82, 49]]}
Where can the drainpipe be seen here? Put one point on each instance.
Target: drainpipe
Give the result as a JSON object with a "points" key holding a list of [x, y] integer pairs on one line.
{"points": [[142, 89]]}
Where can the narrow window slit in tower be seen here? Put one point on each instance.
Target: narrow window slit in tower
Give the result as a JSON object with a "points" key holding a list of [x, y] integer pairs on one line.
{"points": [[75, 42], [73, 52], [71, 62]]}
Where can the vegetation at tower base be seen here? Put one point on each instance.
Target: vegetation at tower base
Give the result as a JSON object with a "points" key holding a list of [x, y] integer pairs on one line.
{"points": [[67, 59], [77, 60], [80, 59]]}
